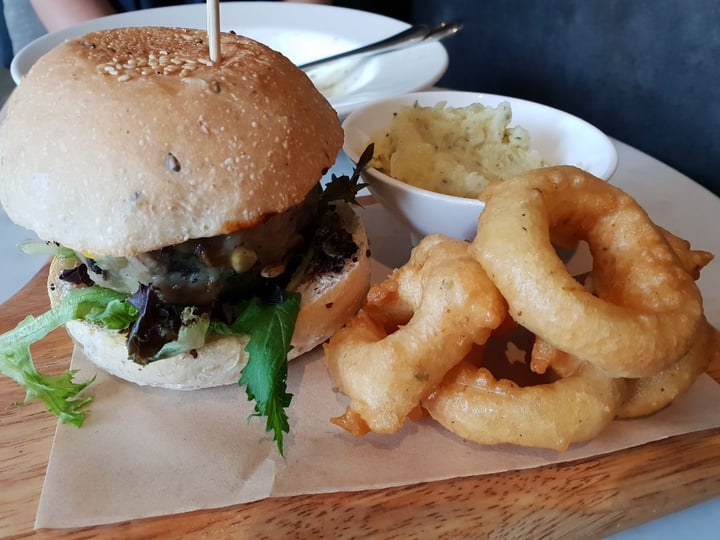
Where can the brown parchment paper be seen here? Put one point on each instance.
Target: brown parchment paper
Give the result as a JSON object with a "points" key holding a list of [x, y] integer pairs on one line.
{"points": [[147, 452]]}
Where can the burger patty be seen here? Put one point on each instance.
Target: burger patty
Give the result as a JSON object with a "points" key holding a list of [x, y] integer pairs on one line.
{"points": [[199, 272]]}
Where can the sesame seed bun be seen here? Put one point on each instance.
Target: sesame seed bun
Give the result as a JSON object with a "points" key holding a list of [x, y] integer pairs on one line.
{"points": [[130, 140], [328, 301], [127, 140]]}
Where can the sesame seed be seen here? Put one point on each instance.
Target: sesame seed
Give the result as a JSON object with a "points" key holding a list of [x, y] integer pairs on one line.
{"points": [[158, 62], [195, 81]]}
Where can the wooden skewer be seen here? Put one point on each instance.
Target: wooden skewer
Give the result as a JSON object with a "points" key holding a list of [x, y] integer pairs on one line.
{"points": [[213, 28]]}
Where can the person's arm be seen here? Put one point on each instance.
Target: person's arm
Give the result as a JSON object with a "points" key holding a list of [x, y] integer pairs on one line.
{"points": [[59, 14]]}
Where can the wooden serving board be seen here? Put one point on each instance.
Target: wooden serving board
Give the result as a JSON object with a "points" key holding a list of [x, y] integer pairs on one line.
{"points": [[589, 498]]}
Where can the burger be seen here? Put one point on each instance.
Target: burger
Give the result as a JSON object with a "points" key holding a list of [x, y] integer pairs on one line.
{"points": [[193, 245]]}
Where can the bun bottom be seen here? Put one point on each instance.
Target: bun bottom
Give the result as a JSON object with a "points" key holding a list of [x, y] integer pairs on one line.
{"points": [[327, 303]]}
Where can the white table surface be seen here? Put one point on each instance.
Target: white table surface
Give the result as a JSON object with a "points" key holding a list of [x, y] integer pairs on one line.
{"points": [[671, 199]]}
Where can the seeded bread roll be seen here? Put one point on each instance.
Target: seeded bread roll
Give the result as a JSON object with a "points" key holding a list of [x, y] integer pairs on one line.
{"points": [[159, 168], [181, 148], [328, 301]]}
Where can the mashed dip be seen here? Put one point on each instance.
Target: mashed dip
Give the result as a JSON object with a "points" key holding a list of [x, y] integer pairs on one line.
{"points": [[455, 151]]}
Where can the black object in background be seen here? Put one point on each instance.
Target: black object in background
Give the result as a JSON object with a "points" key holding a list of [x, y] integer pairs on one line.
{"points": [[646, 72]]}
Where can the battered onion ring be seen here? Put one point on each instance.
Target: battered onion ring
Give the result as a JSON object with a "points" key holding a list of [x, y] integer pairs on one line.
{"points": [[475, 405], [652, 308], [693, 260], [650, 394], [416, 326], [647, 395]]}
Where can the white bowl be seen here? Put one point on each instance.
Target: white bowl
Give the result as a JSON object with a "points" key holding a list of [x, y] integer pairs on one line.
{"points": [[559, 137]]}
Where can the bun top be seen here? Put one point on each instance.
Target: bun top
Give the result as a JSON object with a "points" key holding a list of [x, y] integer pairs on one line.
{"points": [[127, 140]]}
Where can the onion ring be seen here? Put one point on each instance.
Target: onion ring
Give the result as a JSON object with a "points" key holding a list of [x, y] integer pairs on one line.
{"points": [[415, 327], [650, 394], [475, 405], [647, 395], [651, 309], [693, 260]]}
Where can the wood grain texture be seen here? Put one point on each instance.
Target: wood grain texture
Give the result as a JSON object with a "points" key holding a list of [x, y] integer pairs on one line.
{"points": [[589, 498]]}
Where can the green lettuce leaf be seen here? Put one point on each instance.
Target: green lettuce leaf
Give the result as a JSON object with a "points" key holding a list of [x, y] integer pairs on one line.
{"points": [[41, 247], [117, 314], [270, 328], [60, 393]]}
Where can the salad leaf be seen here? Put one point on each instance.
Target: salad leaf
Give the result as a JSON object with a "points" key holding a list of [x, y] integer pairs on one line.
{"points": [[117, 315], [157, 323], [41, 247], [270, 328], [191, 335], [345, 188], [77, 275], [60, 393]]}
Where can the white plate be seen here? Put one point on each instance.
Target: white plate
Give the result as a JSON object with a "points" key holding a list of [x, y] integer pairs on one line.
{"points": [[303, 32]]}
